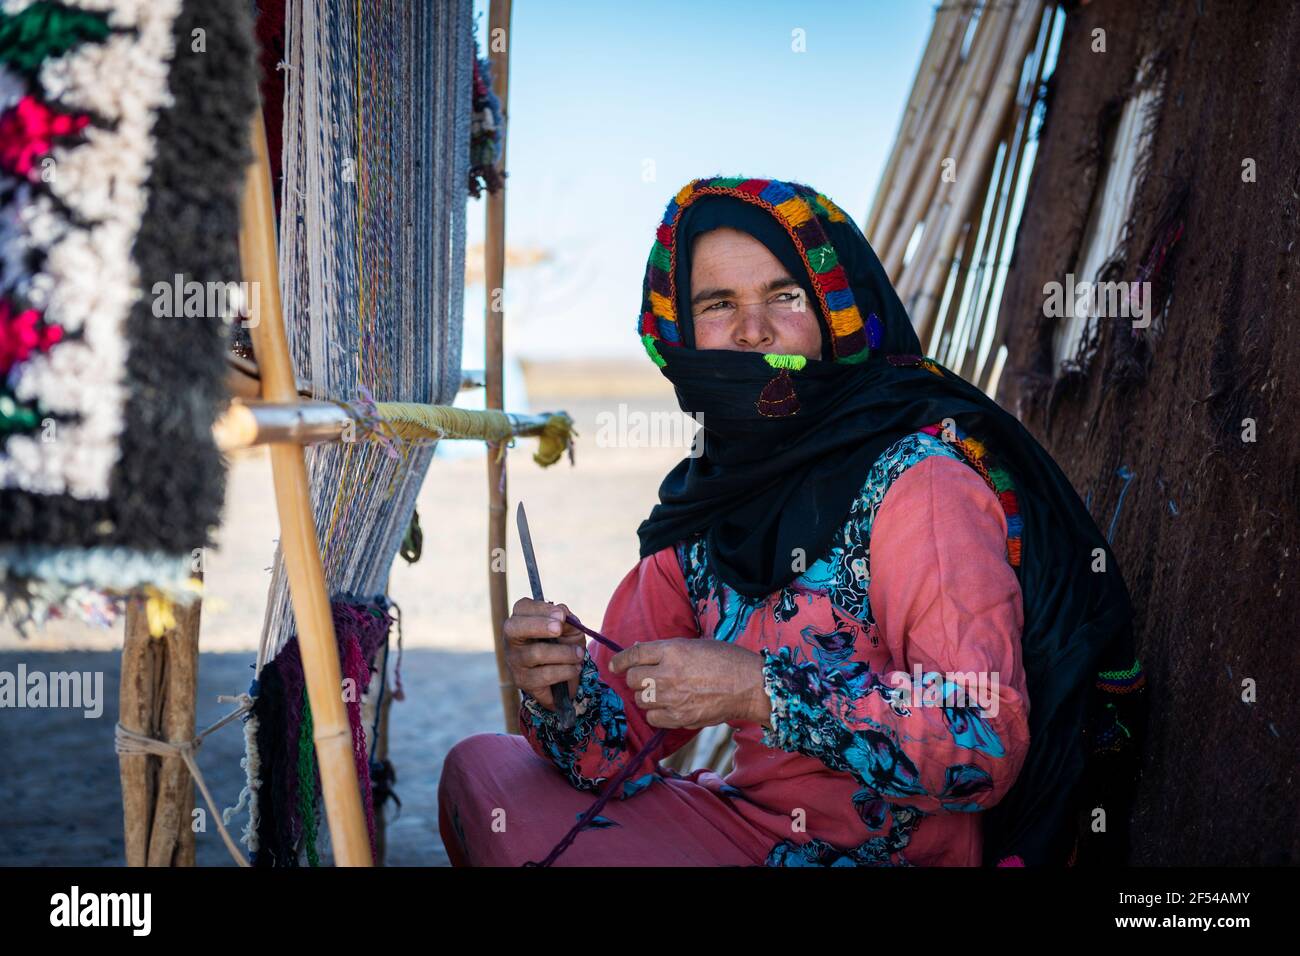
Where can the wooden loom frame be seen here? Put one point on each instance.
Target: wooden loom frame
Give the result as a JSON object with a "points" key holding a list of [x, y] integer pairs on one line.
{"points": [[159, 676]]}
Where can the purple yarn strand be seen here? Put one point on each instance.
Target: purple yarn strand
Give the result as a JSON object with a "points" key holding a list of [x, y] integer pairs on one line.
{"points": [[619, 779]]}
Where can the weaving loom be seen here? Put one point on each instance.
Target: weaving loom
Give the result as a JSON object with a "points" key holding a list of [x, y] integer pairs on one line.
{"points": [[374, 168], [372, 261], [124, 139]]}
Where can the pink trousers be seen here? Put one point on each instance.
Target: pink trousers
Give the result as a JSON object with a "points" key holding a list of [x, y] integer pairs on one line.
{"points": [[500, 804]]}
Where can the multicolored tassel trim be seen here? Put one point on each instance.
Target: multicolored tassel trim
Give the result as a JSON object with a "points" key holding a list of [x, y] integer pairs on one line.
{"points": [[1124, 681], [796, 207], [284, 793], [998, 479], [923, 361]]}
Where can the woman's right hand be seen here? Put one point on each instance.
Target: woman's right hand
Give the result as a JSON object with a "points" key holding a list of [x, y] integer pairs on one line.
{"points": [[535, 664]]}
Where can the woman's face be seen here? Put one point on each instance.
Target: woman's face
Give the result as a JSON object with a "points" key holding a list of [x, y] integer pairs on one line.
{"points": [[743, 299]]}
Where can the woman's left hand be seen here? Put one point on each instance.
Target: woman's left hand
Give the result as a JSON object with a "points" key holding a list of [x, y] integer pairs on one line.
{"points": [[693, 682]]}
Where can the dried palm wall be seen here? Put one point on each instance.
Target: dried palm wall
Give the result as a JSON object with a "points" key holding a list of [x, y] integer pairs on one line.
{"points": [[1207, 527]]}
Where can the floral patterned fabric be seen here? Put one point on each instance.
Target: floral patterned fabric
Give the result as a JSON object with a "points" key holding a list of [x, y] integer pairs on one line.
{"points": [[871, 758]]}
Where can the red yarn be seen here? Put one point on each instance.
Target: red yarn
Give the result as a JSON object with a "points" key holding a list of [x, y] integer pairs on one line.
{"points": [[22, 334], [355, 668], [27, 132]]}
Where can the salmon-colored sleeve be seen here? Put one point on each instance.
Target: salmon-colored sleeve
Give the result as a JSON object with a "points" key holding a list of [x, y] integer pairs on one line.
{"points": [[649, 604], [947, 603]]}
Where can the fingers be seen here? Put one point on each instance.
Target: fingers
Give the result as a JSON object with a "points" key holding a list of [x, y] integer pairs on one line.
{"points": [[543, 696], [640, 654], [541, 678], [540, 653], [540, 620], [666, 719]]}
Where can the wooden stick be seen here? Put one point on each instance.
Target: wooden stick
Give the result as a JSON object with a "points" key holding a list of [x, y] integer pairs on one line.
{"points": [[921, 146], [985, 380], [937, 246], [135, 712], [245, 424], [931, 191], [963, 263], [248, 423], [175, 791], [965, 358], [931, 78], [494, 273], [302, 560], [911, 112]]}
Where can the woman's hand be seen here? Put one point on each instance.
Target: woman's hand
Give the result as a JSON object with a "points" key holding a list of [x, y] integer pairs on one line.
{"points": [[534, 664], [694, 682]]}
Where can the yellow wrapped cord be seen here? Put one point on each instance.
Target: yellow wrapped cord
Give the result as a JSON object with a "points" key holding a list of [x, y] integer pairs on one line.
{"points": [[411, 420]]}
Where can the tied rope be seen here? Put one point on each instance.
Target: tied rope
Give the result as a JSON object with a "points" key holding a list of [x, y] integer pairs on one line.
{"points": [[620, 778], [131, 743]]}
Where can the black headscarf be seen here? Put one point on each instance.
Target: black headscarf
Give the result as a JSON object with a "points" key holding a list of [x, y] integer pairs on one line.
{"points": [[765, 486]]}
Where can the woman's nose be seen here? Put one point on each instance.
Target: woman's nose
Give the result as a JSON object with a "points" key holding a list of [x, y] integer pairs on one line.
{"points": [[753, 329]]}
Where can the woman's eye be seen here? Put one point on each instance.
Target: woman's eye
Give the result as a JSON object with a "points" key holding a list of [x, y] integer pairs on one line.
{"points": [[717, 306]]}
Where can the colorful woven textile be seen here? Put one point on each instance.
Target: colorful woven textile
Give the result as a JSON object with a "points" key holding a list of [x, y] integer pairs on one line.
{"points": [[372, 244], [799, 209], [122, 148]]}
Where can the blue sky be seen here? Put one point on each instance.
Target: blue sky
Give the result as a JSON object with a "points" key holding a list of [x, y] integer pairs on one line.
{"points": [[615, 106]]}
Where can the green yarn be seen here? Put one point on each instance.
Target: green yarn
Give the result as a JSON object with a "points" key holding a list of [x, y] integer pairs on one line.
{"points": [[307, 783], [15, 418], [46, 30], [727, 182], [1122, 675], [1001, 480], [823, 258], [795, 362], [661, 257], [856, 357], [648, 341]]}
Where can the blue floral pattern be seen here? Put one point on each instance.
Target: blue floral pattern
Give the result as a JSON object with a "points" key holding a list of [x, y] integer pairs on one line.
{"points": [[817, 686]]}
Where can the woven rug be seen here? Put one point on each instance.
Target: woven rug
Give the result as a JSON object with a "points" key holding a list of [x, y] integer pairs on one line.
{"points": [[123, 141]]}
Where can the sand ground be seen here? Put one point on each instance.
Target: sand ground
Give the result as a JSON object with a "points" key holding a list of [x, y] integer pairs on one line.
{"points": [[59, 793]]}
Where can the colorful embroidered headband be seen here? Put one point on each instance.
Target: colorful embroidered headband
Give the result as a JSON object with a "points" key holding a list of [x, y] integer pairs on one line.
{"points": [[799, 209]]}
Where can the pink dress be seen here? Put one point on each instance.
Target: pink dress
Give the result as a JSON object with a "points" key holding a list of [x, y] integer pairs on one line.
{"points": [[868, 760]]}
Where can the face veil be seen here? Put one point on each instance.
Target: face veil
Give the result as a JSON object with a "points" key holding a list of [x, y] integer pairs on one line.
{"points": [[788, 442]]}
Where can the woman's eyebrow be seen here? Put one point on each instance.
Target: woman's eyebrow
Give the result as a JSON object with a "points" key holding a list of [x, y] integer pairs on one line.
{"points": [[772, 286]]}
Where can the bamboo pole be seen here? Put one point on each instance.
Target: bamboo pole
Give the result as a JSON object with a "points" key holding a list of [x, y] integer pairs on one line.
{"points": [[883, 229], [917, 154], [1014, 137], [937, 246], [248, 423], [966, 314], [963, 263], [965, 360], [916, 100], [985, 380], [494, 274], [951, 141], [302, 561]]}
